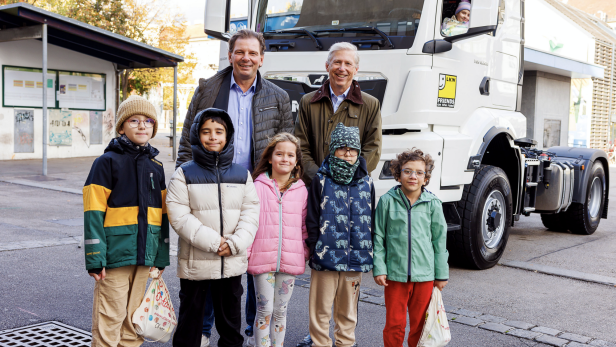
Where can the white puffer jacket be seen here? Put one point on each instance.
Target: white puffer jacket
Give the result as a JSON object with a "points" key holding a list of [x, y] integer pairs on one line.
{"points": [[195, 195]]}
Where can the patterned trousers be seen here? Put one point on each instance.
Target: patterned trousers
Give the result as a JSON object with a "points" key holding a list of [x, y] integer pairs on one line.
{"points": [[273, 291]]}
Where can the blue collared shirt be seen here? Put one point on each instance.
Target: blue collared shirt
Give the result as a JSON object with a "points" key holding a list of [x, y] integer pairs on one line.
{"points": [[337, 100], [240, 111]]}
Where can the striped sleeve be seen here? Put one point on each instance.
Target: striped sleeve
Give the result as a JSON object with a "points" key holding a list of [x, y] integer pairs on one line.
{"points": [[95, 195], [162, 254]]}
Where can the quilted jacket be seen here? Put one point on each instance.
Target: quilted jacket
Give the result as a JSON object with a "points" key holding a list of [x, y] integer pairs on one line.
{"points": [[209, 197], [125, 218], [410, 242], [271, 112], [339, 221], [280, 241]]}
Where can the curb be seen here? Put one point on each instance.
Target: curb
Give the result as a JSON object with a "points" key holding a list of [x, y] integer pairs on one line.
{"points": [[550, 270], [528, 331], [43, 186]]}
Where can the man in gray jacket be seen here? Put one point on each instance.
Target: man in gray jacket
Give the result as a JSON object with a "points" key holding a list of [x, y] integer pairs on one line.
{"points": [[258, 109]]}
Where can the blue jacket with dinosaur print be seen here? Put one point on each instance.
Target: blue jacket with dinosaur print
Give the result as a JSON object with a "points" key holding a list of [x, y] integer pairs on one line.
{"points": [[340, 221]]}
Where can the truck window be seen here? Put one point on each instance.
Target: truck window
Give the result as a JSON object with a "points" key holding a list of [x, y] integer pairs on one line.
{"points": [[456, 17], [238, 15], [397, 19]]}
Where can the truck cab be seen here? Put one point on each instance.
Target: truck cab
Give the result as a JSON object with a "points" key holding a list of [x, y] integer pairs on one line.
{"points": [[457, 97]]}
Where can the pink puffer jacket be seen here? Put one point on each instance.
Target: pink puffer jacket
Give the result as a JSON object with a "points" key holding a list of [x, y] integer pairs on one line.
{"points": [[279, 244]]}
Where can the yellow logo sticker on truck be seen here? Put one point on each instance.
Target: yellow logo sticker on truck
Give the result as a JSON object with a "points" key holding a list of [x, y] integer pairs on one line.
{"points": [[446, 91]]}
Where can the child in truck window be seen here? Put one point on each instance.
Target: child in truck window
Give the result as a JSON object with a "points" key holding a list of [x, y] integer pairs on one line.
{"points": [[458, 23]]}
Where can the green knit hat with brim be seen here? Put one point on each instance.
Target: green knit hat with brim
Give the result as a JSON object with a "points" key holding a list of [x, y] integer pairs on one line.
{"points": [[344, 136]]}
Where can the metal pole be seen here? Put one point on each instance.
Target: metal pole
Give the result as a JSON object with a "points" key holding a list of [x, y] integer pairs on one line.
{"points": [[44, 99], [175, 109]]}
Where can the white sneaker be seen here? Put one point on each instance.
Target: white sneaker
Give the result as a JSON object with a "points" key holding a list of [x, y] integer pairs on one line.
{"points": [[250, 342], [205, 341]]}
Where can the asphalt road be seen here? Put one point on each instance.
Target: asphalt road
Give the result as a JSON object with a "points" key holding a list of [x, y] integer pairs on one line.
{"points": [[50, 283]]}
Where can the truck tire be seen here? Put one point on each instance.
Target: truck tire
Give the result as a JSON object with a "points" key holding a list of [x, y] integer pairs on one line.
{"points": [[584, 218], [555, 221], [486, 210]]}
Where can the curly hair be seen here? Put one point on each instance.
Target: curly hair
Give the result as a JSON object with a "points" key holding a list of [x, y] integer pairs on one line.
{"points": [[414, 154], [265, 166]]}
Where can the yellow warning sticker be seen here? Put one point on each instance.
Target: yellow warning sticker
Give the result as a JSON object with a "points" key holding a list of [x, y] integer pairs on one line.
{"points": [[446, 91]]}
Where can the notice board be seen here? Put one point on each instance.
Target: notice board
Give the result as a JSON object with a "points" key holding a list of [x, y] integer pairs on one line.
{"points": [[78, 90], [23, 87]]}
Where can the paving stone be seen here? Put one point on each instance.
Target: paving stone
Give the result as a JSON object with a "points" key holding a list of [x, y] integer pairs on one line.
{"points": [[468, 321], [547, 331], [452, 316], [519, 325], [576, 344], [450, 308], [525, 334], [551, 340], [602, 343], [301, 283], [575, 337], [467, 313], [373, 292], [491, 318], [503, 329], [375, 300]]}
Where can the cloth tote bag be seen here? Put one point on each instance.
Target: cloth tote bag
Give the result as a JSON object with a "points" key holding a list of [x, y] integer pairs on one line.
{"points": [[155, 318], [436, 329]]}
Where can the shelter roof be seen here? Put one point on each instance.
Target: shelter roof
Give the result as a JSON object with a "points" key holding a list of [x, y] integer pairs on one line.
{"points": [[88, 39]]}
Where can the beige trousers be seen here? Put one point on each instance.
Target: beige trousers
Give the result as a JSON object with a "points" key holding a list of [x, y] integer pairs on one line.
{"points": [[116, 298], [340, 289]]}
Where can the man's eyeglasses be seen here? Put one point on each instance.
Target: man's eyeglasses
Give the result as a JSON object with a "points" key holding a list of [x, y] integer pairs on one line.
{"points": [[344, 150], [134, 123], [409, 173]]}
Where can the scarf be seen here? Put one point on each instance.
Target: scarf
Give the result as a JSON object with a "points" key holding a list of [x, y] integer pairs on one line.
{"points": [[342, 172]]}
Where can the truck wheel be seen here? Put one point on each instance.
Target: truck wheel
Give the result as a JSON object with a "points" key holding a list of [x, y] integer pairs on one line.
{"points": [[555, 221], [486, 208], [584, 218]]}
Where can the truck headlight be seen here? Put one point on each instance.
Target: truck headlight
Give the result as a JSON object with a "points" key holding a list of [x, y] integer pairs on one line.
{"points": [[386, 173]]}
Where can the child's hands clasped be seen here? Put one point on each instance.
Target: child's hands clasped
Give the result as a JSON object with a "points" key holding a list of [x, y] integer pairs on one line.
{"points": [[224, 250], [440, 284], [381, 280]]}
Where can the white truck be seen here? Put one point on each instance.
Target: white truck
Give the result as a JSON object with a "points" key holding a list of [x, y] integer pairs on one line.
{"points": [[457, 98]]}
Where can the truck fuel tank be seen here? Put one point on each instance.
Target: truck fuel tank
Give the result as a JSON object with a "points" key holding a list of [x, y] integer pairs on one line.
{"points": [[555, 193]]}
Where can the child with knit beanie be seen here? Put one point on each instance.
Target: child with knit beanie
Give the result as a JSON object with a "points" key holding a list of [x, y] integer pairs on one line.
{"points": [[341, 204], [126, 230], [458, 23]]}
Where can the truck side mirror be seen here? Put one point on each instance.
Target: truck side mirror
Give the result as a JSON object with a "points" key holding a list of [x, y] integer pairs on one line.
{"points": [[484, 18], [216, 22]]}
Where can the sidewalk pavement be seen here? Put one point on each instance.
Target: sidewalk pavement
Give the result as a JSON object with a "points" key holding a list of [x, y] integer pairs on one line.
{"points": [[69, 174]]}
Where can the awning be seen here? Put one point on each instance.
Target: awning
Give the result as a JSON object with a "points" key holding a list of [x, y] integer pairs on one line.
{"points": [[536, 60], [87, 39]]}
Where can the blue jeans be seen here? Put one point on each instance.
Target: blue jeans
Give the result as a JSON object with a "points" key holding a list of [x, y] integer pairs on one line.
{"points": [[251, 309], [251, 304]]}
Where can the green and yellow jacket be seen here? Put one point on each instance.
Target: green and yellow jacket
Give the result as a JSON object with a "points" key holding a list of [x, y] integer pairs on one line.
{"points": [[125, 217], [410, 242]]}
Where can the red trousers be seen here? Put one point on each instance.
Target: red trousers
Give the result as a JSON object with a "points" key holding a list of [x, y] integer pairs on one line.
{"points": [[400, 298]]}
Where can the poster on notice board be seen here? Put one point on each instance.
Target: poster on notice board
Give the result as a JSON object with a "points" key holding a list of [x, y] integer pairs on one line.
{"points": [[60, 128]]}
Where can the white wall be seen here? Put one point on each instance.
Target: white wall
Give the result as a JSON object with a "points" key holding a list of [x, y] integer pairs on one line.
{"points": [[544, 24], [29, 54]]}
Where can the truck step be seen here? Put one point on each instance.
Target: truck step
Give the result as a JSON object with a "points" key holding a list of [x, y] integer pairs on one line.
{"points": [[531, 184], [453, 227]]}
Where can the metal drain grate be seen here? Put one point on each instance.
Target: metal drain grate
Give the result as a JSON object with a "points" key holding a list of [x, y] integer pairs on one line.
{"points": [[45, 334]]}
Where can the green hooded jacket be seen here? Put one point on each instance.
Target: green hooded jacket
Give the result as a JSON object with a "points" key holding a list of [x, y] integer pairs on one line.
{"points": [[423, 226]]}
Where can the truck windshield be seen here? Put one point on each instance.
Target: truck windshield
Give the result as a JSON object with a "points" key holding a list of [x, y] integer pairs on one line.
{"points": [[397, 20]]}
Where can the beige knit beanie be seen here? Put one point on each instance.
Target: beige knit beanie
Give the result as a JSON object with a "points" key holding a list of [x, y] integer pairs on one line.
{"points": [[136, 104]]}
